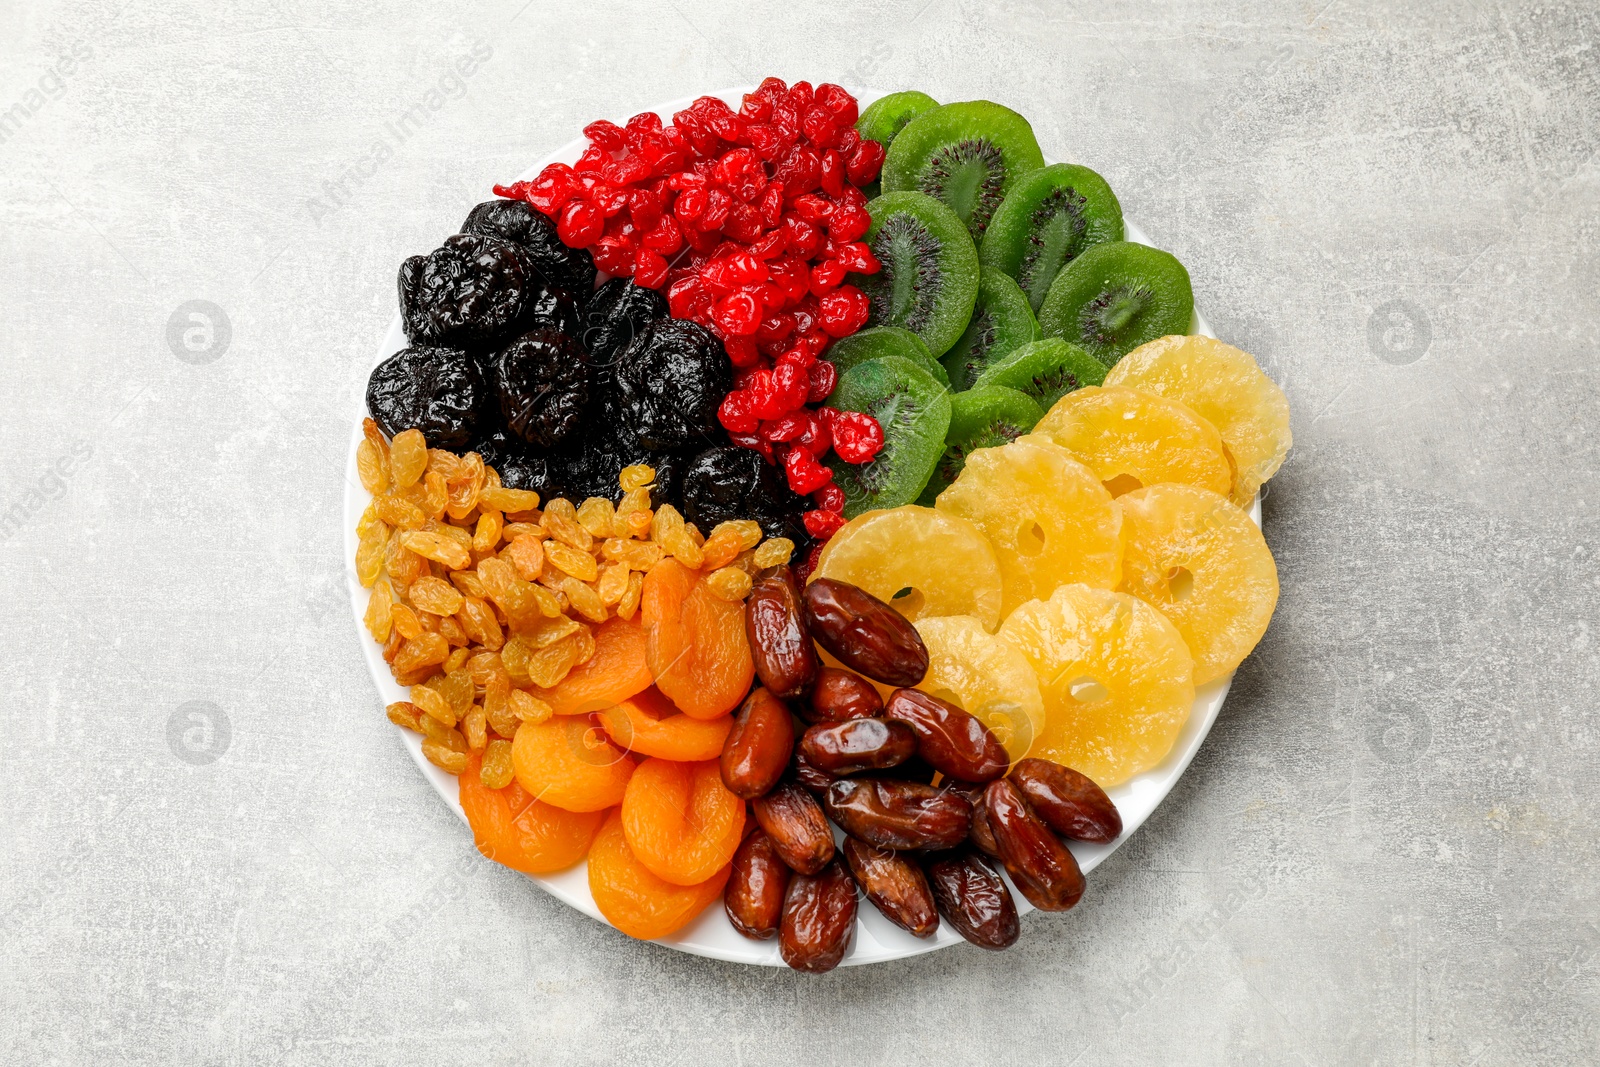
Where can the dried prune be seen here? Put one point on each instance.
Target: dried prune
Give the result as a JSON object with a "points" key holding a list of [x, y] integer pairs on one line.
{"points": [[566, 268], [521, 466], [439, 391], [543, 385], [727, 483], [671, 379], [552, 309], [471, 290], [619, 312]]}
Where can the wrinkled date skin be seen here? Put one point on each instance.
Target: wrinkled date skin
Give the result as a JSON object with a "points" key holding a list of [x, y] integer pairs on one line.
{"points": [[898, 815], [1039, 864], [974, 900], [858, 745], [956, 743], [838, 694], [754, 896], [981, 836], [793, 819], [1069, 803], [865, 634], [813, 778], [819, 919], [786, 660], [896, 885], [758, 747]]}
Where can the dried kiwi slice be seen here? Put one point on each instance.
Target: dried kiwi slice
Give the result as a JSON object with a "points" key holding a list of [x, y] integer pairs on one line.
{"points": [[980, 418], [968, 155], [929, 278], [1047, 220], [914, 411], [1045, 370], [1115, 297], [1001, 321], [875, 342]]}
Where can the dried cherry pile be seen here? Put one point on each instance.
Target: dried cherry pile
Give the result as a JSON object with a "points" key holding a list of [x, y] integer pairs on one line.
{"points": [[749, 221]]}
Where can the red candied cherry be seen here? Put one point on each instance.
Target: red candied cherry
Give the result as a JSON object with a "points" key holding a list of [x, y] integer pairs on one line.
{"points": [[789, 274], [823, 524], [848, 222], [817, 438], [580, 224], [865, 162], [856, 256], [765, 403], [607, 136], [801, 237], [814, 208], [735, 413], [823, 376], [771, 205], [829, 498], [804, 473], [665, 237], [737, 314], [593, 158], [838, 103], [790, 427], [640, 126], [690, 204], [827, 275], [552, 189], [649, 268], [644, 207], [718, 205], [775, 328], [742, 351], [833, 175], [857, 437], [754, 442], [844, 311], [688, 298], [770, 245], [790, 383], [848, 141]]}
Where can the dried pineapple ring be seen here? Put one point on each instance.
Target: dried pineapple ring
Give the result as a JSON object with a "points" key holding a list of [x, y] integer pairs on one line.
{"points": [[942, 563], [1131, 438], [1116, 678], [1224, 386], [1205, 566], [975, 670], [1048, 517]]}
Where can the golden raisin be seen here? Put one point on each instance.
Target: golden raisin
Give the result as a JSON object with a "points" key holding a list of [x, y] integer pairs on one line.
{"points": [[508, 499], [406, 621], [422, 651], [613, 583], [584, 599], [457, 659], [487, 533], [397, 511], [404, 713], [436, 546], [630, 598], [435, 595], [379, 618], [496, 770], [561, 520], [434, 703], [374, 473], [408, 457], [458, 689], [475, 725], [529, 708], [446, 759], [637, 476], [729, 583], [580, 565], [681, 544], [526, 554], [597, 515], [774, 553]]}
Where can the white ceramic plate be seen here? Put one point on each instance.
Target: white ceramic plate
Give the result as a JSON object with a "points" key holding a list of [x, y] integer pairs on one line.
{"points": [[711, 934]]}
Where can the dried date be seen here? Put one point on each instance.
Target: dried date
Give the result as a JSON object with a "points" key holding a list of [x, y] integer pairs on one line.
{"points": [[1070, 803], [838, 694], [785, 658], [819, 919], [1039, 864], [898, 815], [973, 898], [758, 747], [895, 885], [754, 896], [858, 745], [955, 742], [799, 831], [864, 633]]}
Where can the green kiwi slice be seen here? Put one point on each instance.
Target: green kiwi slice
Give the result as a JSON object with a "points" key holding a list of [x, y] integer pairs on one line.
{"points": [[875, 342], [929, 278], [1044, 370], [968, 155], [886, 116], [979, 418], [1001, 321], [1046, 221], [914, 411], [1114, 297]]}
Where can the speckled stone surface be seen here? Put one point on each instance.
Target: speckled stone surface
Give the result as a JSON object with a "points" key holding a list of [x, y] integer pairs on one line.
{"points": [[214, 850]]}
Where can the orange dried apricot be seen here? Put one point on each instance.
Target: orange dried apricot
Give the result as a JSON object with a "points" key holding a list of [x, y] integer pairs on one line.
{"points": [[510, 827], [615, 672], [648, 724], [636, 901], [682, 823], [695, 642], [569, 763]]}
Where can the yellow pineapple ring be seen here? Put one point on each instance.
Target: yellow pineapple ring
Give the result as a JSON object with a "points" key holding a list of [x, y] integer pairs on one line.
{"points": [[921, 561], [1131, 438], [1048, 517], [1224, 386], [1205, 566], [975, 670], [1116, 678]]}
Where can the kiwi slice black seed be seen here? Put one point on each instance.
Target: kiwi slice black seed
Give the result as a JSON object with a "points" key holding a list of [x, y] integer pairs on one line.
{"points": [[929, 278], [980, 418], [1115, 297], [1045, 370], [914, 411], [968, 155], [1047, 220], [1001, 321], [875, 342]]}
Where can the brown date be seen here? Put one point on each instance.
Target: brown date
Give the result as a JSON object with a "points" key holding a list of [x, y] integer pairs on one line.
{"points": [[974, 899], [813, 778], [981, 836], [958, 744], [838, 694], [1069, 803], [858, 745], [1039, 864], [754, 896], [894, 814], [785, 659], [819, 919], [864, 633], [799, 831], [896, 885], [758, 747]]}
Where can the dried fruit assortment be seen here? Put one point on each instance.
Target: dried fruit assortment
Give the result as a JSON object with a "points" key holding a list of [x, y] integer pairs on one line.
{"points": [[786, 505]]}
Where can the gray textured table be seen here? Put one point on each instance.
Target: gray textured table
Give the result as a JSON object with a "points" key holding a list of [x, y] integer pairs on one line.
{"points": [[1386, 851]]}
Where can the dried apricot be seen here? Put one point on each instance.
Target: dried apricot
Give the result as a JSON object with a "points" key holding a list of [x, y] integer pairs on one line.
{"points": [[569, 763], [648, 724], [509, 826], [636, 901], [615, 672], [681, 821], [695, 642]]}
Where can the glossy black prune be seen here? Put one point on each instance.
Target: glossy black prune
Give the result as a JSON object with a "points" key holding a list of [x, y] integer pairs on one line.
{"points": [[571, 269], [521, 466], [470, 291], [552, 309], [670, 381], [729, 482], [542, 379], [618, 313], [439, 391]]}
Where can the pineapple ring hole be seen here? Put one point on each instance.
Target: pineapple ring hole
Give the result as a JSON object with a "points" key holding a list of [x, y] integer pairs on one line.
{"points": [[1180, 584], [909, 602], [1030, 538], [1123, 483], [1088, 690]]}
